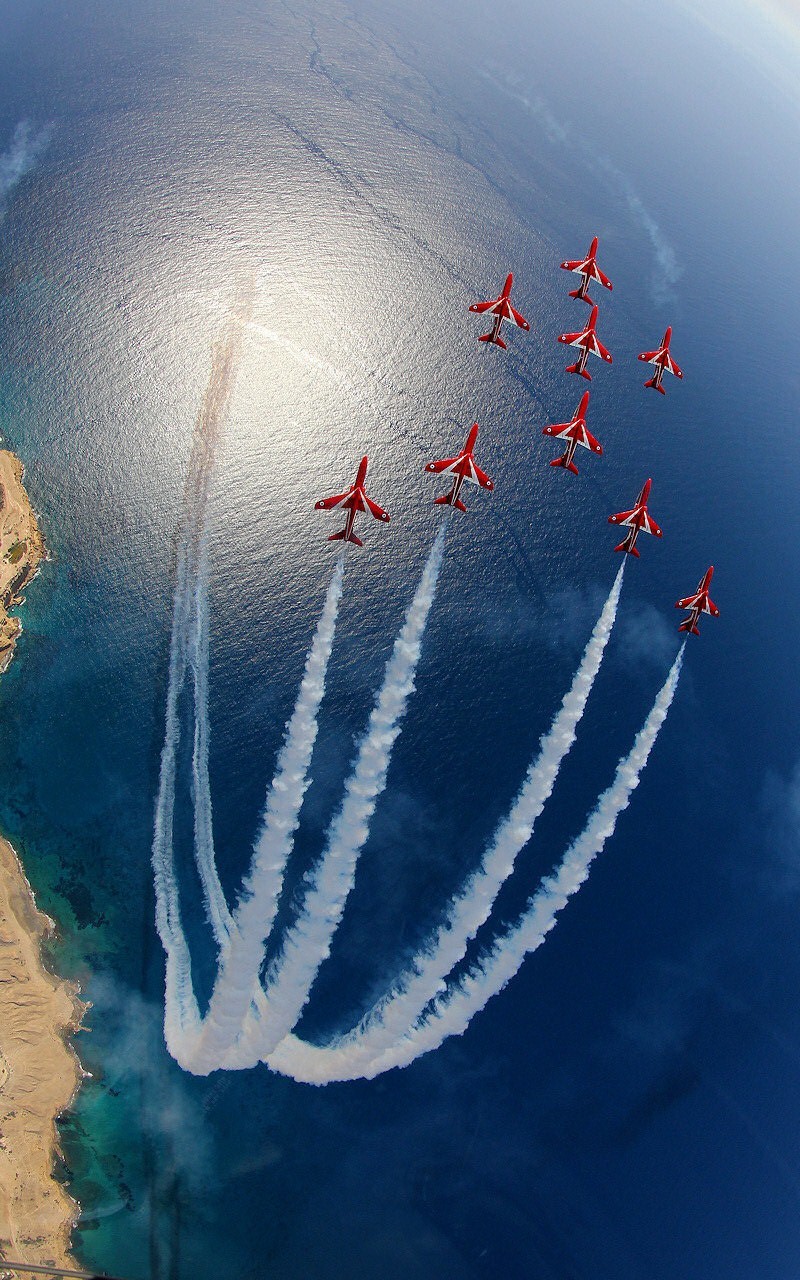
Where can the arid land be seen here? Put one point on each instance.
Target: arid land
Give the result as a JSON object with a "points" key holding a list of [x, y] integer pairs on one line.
{"points": [[39, 1071], [21, 550]]}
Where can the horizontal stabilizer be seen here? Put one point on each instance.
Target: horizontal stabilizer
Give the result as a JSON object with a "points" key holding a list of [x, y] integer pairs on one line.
{"points": [[655, 385], [342, 537], [447, 501], [632, 551], [568, 466], [584, 297], [574, 368], [687, 626], [487, 337]]}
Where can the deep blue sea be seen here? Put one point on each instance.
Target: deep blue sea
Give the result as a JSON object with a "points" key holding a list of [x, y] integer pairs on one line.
{"points": [[627, 1107]]}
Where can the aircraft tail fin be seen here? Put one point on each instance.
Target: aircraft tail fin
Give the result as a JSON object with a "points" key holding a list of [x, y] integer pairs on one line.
{"points": [[447, 500], [651, 382], [342, 537], [632, 551], [498, 341], [584, 297], [686, 625], [575, 368], [568, 466]]}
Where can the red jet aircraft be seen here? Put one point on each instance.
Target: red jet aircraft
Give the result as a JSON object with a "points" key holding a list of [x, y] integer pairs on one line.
{"points": [[502, 310], [587, 269], [637, 520], [663, 362], [352, 501], [461, 468], [699, 603], [575, 433], [589, 344]]}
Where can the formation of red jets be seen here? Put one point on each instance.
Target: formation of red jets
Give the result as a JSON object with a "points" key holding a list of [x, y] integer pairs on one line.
{"points": [[464, 468]]}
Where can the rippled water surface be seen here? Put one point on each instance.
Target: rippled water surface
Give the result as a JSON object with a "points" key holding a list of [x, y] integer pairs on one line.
{"points": [[624, 1107]]}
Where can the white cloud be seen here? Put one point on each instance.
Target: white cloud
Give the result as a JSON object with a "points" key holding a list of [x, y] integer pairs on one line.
{"points": [[27, 145]]}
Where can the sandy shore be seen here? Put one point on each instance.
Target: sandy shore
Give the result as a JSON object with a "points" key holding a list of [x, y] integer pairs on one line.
{"points": [[21, 549], [39, 1073]]}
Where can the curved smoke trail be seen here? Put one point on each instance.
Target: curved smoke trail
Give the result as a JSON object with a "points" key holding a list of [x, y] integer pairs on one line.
{"points": [[213, 894], [180, 1009], [308, 942], [180, 1006], [246, 1024], [390, 1020], [452, 1013], [237, 985]]}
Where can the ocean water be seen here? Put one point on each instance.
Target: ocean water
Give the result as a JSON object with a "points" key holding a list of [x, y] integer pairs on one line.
{"points": [[369, 169]]}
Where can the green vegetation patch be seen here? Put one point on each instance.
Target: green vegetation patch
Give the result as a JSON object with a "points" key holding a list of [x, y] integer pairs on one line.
{"points": [[15, 553]]}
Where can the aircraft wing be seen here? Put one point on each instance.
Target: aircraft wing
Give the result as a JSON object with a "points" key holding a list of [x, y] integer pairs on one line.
{"points": [[622, 517], [589, 442], [673, 366], [377, 511], [700, 600], [571, 339], [559, 430], [517, 319], [576, 265], [649, 357], [649, 525], [480, 307], [328, 504], [481, 477], [603, 278], [602, 351], [444, 464]]}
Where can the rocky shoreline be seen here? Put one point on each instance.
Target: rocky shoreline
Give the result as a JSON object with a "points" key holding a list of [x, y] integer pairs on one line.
{"points": [[39, 1070], [40, 1077], [21, 550]]}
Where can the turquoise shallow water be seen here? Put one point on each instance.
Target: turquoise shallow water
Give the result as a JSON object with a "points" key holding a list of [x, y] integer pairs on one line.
{"points": [[621, 1108]]}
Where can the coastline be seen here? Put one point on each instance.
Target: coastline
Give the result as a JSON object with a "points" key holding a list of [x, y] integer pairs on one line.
{"points": [[21, 550], [39, 1070], [41, 1076]]}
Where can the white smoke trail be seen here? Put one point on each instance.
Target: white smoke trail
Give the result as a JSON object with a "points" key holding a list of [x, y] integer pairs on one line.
{"points": [[238, 985], [453, 1011], [27, 145], [180, 1008], [669, 270], [216, 905], [389, 1021], [308, 942]]}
